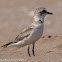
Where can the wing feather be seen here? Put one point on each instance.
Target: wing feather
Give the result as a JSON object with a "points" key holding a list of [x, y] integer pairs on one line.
{"points": [[21, 36]]}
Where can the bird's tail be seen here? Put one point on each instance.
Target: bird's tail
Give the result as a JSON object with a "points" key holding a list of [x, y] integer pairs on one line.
{"points": [[8, 44]]}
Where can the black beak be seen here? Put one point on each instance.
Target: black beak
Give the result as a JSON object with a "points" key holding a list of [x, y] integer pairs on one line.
{"points": [[49, 13]]}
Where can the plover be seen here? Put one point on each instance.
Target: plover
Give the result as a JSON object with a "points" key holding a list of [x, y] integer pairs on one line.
{"points": [[32, 33]]}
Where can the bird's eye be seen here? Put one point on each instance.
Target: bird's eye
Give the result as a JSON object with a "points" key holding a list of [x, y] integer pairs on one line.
{"points": [[44, 11]]}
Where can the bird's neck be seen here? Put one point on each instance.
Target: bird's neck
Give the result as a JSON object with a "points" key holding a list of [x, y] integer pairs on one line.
{"points": [[37, 18]]}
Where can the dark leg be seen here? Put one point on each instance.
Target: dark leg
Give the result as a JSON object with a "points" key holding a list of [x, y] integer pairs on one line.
{"points": [[29, 51], [33, 49]]}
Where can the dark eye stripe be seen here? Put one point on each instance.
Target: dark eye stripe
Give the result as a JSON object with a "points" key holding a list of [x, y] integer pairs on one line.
{"points": [[44, 11]]}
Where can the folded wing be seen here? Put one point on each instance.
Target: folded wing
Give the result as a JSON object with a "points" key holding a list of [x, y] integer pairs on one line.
{"points": [[21, 36]]}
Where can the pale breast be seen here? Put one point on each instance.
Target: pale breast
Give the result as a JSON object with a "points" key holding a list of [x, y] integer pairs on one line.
{"points": [[36, 33]]}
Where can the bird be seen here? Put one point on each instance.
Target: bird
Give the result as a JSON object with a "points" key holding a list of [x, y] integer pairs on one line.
{"points": [[32, 33]]}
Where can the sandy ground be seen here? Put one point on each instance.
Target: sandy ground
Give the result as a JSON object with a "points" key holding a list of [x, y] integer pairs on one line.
{"points": [[46, 50], [14, 17]]}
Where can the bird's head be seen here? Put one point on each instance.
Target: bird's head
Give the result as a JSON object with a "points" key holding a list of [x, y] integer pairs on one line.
{"points": [[40, 13]]}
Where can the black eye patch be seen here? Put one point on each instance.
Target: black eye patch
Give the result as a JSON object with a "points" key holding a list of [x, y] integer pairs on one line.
{"points": [[44, 11]]}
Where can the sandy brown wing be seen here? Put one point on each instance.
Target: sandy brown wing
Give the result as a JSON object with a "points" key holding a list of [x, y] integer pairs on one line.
{"points": [[21, 36], [24, 33]]}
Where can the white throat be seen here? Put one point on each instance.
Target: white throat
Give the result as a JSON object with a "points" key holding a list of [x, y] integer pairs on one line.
{"points": [[37, 18]]}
